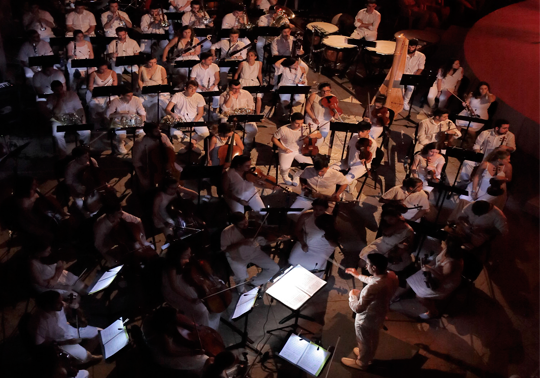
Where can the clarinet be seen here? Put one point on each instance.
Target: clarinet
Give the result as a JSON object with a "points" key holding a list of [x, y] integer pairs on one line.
{"points": [[35, 49], [502, 141]]}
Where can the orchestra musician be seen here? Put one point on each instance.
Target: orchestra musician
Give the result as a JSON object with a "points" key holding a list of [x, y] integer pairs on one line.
{"points": [[367, 22], [378, 115], [235, 20], [33, 47], [123, 46], [249, 74], [225, 131], [448, 80], [409, 199], [81, 19], [206, 73], [284, 44], [414, 65], [292, 73], [198, 18], [241, 251], [188, 107], [239, 192], [183, 39], [488, 141], [39, 20], [125, 105], [318, 114], [102, 77], [428, 165], [78, 49], [153, 74], [43, 79], [228, 47], [60, 104], [430, 129], [113, 19], [75, 168], [476, 105], [152, 23], [170, 189], [180, 6], [289, 139], [264, 21], [265, 5]]}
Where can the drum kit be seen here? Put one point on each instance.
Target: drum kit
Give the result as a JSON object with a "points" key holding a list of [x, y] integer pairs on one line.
{"points": [[120, 121]]}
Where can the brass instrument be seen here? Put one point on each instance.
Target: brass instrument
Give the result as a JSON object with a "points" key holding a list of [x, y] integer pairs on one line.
{"points": [[244, 22], [68, 119], [238, 111], [202, 19], [170, 121], [120, 121], [282, 16], [164, 23]]}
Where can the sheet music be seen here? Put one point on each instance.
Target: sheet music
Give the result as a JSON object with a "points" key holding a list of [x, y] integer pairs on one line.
{"points": [[290, 296], [105, 280], [114, 338], [313, 359], [294, 348], [245, 303], [307, 281]]}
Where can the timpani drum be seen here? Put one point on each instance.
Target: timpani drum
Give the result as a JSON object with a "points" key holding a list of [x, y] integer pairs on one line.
{"points": [[337, 51], [317, 30], [383, 48]]}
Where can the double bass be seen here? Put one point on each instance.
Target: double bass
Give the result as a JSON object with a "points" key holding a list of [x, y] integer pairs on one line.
{"points": [[161, 162], [227, 152]]}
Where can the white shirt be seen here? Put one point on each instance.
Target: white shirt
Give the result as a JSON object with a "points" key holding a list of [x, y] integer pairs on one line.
{"points": [[281, 46], [492, 219], [29, 23], [189, 18], [227, 51], [414, 63], [291, 139], [187, 107], [42, 82], [489, 140], [149, 27], [229, 22], [419, 198], [111, 30], [231, 235], [372, 304], [127, 48], [290, 76], [205, 76], [72, 174], [244, 100], [374, 19], [135, 106], [42, 48], [103, 228], [81, 22], [428, 129], [324, 184], [264, 5], [354, 158], [52, 326], [70, 103], [449, 81], [238, 186], [181, 3]]}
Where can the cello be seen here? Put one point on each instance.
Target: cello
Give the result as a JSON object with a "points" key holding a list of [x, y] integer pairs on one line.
{"points": [[309, 144], [391, 87], [228, 151]]}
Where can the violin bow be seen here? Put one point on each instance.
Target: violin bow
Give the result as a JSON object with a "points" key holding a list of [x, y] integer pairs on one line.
{"points": [[473, 114]]}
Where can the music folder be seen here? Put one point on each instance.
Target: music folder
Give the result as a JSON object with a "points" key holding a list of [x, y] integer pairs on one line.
{"points": [[113, 338], [305, 354], [105, 280]]}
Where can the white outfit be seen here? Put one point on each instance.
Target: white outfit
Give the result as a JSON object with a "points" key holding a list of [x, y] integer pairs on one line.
{"points": [[319, 249], [355, 166], [292, 140], [244, 100], [228, 51], [183, 72], [111, 30], [409, 200], [79, 52], [149, 27], [98, 105], [486, 143], [150, 100], [189, 19], [29, 50], [448, 84], [206, 77], [291, 77], [240, 257], [81, 22], [321, 184], [385, 244], [187, 108], [230, 22], [492, 219], [483, 185], [428, 129], [264, 20], [177, 4], [369, 33], [480, 107], [242, 189], [323, 115], [412, 64], [197, 312], [45, 272], [421, 169], [249, 75], [371, 307], [29, 22], [128, 48], [103, 229], [42, 82], [134, 106]]}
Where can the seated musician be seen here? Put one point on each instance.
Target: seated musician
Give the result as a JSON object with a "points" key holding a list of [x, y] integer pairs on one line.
{"points": [[241, 251], [221, 139], [184, 38], [120, 236], [317, 114], [180, 6], [188, 107], [320, 181], [152, 23], [149, 155], [433, 129], [80, 19], [49, 325], [179, 290], [102, 77], [235, 20], [249, 74], [291, 73], [220, 365], [33, 47], [74, 170], [206, 73], [265, 5], [409, 199], [357, 162], [283, 45], [377, 114], [228, 49], [170, 189], [64, 103], [124, 106], [488, 141], [113, 19], [153, 74], [414, 65], [239, 192], [198, 18], [39, 20], [317, 238], [236, 98], [79, 49], [42, 81], [367, 22], [428, 165], [289, 140], [123, 46], [264, 21]]}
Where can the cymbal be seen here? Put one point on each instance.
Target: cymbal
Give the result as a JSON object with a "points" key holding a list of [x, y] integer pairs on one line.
{"points": [[290, 14]]}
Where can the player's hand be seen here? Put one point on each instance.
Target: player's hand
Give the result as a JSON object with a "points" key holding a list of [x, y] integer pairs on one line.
{"points": [[351, 271]]}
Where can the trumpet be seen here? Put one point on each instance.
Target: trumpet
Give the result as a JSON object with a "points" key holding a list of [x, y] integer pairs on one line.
{"points": [[42, 27], [163, 21], [117, 15], [202, 19]]}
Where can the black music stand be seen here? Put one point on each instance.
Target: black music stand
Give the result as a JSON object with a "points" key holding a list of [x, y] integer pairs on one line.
{"points": [[469, 120], [230, 63], [188, 127], [101, 40], [60, 41], [189, 64], [206, 95], [75, 127], [277, 216], [204, 32], [343, 127], [15, 155], [107, 91], [415, 81], [245, 118], [199, 173], [84, 63], [44, 60], [174, 16], [129, 60], [157, 89], [266, 31], [294, 90], [224, 33], [152, 37]]}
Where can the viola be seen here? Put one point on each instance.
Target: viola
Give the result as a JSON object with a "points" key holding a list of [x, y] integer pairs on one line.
{"points": [[363, 145], [381, 115], [228, 151], [309, 144], [256, 176], [444, 140], [331, 102], [197, 336]]}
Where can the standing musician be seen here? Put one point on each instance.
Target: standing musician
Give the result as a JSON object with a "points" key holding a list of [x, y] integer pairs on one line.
{"points": [[237, 98], [152, 23], [80, 19], [292, 73], [367, 22], [414, 65], [428, 165], [405, 198], [32, 48], [113, 19], [378, 115], [206, 73], [153, 74], [235, 20], [320, 181], [289, 140], [123, 46], [241, 251], [317, 237], [250, 74], [81, 161], [222, 138], [434, 128], [188, 107], [198, 18], [102, 77], [318, 114], [357, 162], [183, 39], [228, 47], [488, 141], [152, 155], [238, 191], [180, 6], [283, 45], [125, 105]]}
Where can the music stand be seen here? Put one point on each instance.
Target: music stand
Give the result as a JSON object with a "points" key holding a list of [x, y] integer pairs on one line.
{"points": [[104, 281], [75, 127], [199, 173], [266, 31], [206, 95], [294, 90], [157, 89], [414, 81], [204, 32], [224, 33], [229, 62], [189, 64], [469, 120], [174, 16], [245, 118], [343, 127], [129, 60], [188, 127], [84, 63], [106, 91], [60, 41], [101, 40], [113, 338], [44, 60], [305, 354], [294, 289]]}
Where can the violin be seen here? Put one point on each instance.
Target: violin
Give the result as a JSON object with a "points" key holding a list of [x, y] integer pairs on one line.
{"points": [[331, 103], [381, 115], [256, 176], [444, 140], [228, 151], [429, 280], [197, 336], [364, 145], [96, 187], [309, 144]]}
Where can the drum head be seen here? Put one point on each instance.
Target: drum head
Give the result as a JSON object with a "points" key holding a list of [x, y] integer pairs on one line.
{"points": [[328, 28], [338, 42]]}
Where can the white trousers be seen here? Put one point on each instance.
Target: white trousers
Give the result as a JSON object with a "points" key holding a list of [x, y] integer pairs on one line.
{"points": [[257, 257], [84, 135], [311, 260], [150, 105], [76, 350], [298, 98], [255, 203], [355, 172], [466, 170], [408, 93], [261, 41], [369, 35], [121, 135], [443, 98], [367, 337], [250, 132], [215, 100], [376, 131], [286, 159]]}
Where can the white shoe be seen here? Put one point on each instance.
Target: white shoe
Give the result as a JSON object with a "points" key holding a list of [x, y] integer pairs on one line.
{"points": [[425, 316], [121, 148], [290, 183], [406, 107]]}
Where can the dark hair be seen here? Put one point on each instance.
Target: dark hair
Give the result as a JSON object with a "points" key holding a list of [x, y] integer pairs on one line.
{"points": [[23, 186], [239, 160], [195, 2], [120, 29], [163, 318], [236, 218], [413, 42], [428, 147], [296, 117], [234, 82], [112, 208], [79, 4], [497, 155], [205, 55], [323, 85], [454, 251], [157, 5], [500, 122], [223, 360], [320, 163], [174, 254], [192, 83], [363, 126], [439, 112], [238, 8], [234, 31], [181, 31], [288, 62], [225, 128], [380, 99], [476, 92], [411, 182], [76, 33], [320, 202], [447, 67], [113, 2], [149, 127], [254, 52], [124, 90], [148, 57], [102, 62], [46, 299], [80, 151], [371, 2], [56, 84], [480, 207], [286, 26], [378, 261], [30, 33], [167, 181], [327, 223], [391, 213]]}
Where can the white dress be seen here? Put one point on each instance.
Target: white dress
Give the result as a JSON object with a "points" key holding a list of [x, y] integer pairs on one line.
{"points": [[80, 52], [448, 83], [46, 272], [98, 105], [421, 169], [249, 75], [319, 249], [323, 116], [480, 107], [150, 100], [483, 186], [384, 244]]}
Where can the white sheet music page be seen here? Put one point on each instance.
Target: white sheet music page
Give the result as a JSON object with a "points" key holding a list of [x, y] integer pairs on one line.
{"points": [[114, 338], [245, 303], [294, 348], [306, 280], [105, 280], [290, 296], [313, 359]]}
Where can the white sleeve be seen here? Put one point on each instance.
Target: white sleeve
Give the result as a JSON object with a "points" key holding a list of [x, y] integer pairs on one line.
{"points": [[91, 19], [375, 25]]}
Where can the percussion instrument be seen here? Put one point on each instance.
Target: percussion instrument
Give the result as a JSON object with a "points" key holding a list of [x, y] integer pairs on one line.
{"points": [[119, 121], [383, 47], [337, 50], [323, 27]]}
